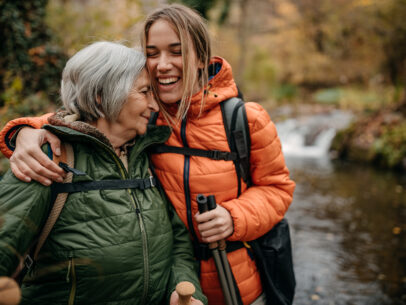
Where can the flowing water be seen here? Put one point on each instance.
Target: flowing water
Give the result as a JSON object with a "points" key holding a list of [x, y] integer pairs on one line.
{"points": [[347, 221]]}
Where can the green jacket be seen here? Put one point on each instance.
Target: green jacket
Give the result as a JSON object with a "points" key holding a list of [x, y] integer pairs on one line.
{"points": [[108, 246]]}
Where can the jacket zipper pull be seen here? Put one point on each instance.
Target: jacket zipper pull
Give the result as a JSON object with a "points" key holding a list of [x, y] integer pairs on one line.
{"points": [[68, 273]]}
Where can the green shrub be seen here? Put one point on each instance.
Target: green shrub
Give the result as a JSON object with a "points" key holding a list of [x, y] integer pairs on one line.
{"points": [[26, 52], [390, 147]]}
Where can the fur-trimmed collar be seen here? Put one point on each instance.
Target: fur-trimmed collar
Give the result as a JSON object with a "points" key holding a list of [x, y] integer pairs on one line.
{"points": [[63, 118]]}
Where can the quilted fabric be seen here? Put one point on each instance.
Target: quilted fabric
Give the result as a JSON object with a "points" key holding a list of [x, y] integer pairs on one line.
{"points": [[108, 246], [258, 208]]}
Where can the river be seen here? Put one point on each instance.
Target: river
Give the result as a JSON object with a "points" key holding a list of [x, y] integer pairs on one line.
{"points": [[347, 220]]}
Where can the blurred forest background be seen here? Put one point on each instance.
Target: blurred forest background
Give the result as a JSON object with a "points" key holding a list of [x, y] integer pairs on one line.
{"points": [[320, 58], [348, 54]]}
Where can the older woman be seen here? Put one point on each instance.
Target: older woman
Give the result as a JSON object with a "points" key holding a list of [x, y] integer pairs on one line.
{"points": [[108, 246]]}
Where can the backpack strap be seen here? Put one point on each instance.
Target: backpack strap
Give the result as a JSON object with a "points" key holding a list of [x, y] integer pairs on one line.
{"points": [[58, 204], [238, 137], [75, 187], [187, 151], [68, 157]]}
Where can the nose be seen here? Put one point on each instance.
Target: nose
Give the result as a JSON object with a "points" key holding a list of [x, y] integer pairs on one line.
{"points": [[152, 103], [163, 63]]}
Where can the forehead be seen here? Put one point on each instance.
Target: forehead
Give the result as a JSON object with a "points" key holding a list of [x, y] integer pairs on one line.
{"points": [[162, 31]]}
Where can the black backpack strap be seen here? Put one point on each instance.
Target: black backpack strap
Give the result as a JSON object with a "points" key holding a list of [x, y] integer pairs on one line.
{"points": [[75, 187], [187, 151], [238, 136]]}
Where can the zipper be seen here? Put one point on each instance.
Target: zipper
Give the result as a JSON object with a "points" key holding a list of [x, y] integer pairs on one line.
{"points": [[124, 174], [71, 277], [186, 174]]}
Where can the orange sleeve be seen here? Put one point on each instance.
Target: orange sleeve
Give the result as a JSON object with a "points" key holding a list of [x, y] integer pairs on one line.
{"points": [[265, 203], [11, 127]]}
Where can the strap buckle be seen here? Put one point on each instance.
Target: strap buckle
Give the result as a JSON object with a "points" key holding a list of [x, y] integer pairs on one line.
{"points": [[218, 155], [28, 262], [151, 180]]}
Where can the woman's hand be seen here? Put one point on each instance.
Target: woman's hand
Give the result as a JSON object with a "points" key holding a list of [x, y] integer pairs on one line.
{"points": [[175, 300], [215, 225], [29, 161]]}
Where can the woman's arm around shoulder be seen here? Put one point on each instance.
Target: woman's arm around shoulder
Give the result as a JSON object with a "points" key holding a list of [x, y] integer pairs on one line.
{"points": [[28, 161], [265, 203], [6, 147]]}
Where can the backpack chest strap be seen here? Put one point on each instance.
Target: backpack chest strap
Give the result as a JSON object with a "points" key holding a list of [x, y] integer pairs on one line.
{"points": [[187, 151], [76, 187]]}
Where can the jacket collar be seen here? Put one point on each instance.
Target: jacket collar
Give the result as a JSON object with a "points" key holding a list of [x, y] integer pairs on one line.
{"points": [[80, 131], [221, 86]]}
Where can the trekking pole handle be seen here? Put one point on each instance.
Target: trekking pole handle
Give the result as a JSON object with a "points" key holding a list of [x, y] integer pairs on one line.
{"points": [[202, 203], [10, 293], [203, 206], [211, 203], [185, 291]]}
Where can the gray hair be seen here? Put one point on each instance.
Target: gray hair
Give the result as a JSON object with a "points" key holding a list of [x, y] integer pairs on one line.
{"points": [[97, 80]]}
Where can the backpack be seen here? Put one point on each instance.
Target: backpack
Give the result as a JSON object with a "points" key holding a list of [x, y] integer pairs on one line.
{"points": [[272, 251]]}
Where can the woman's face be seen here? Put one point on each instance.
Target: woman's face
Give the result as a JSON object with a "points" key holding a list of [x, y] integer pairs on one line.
{"points": [[164, 61], [136, 111]]}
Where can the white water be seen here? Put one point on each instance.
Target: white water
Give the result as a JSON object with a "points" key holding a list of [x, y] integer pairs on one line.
{"points": [[311, 136]]}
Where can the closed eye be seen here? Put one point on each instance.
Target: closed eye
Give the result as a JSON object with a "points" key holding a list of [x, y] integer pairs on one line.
{"points": [[177, 52], [146, 90], [151, 51]]}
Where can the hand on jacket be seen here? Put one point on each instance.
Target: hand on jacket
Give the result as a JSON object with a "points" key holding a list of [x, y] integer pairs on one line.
{"points": [[175, 300], [215, 225], [29, 161]]}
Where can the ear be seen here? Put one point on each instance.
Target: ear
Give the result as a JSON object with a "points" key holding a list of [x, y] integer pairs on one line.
{"points": [[98, 99]]}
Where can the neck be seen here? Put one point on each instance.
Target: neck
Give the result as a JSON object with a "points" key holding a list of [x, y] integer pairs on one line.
{"points": [[115, 133]]}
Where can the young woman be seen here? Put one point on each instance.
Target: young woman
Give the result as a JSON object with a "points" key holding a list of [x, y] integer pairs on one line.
{"points": [[190, 85], [105, 247]]}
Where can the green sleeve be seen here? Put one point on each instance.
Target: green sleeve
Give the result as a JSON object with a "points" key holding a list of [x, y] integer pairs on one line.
{"points": [[24, 208], [184, 267]]}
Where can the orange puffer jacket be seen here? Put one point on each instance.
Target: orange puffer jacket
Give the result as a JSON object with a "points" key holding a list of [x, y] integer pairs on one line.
{"points": [[258, 208]]}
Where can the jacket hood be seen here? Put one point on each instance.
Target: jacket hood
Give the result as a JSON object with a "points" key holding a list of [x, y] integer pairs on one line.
{"points": [[221, 86]]}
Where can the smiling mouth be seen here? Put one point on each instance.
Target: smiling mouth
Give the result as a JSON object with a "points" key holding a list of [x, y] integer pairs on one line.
{"points": [[168, 81]]}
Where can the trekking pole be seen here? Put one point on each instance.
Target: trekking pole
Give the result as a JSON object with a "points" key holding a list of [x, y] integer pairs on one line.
{"points": [[211, 203], [10, 293], [185, 291], [202, 204]]}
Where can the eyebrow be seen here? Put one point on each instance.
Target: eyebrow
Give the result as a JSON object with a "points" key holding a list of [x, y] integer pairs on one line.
{"points": [[176, 44]]}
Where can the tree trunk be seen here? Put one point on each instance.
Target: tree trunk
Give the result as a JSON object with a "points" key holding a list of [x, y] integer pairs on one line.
{"points": [[242, 41]]}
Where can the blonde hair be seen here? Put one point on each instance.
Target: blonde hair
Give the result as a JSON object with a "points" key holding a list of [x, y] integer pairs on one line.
{"points": [[194, 36]]}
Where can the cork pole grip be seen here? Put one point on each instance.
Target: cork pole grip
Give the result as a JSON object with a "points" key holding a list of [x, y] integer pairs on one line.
{"points": [[10, 293], [185, 291]]}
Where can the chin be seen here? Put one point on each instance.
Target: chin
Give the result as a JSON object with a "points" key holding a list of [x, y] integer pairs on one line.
{"points": [[170, 98]]}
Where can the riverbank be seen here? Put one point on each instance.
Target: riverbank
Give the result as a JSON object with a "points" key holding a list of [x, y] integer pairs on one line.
{"points": [[377, 138]]}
